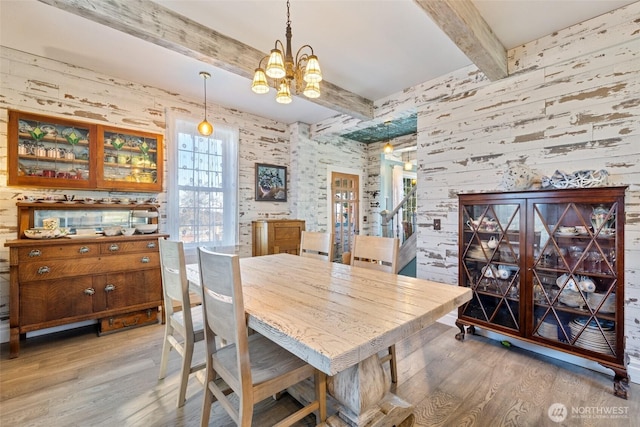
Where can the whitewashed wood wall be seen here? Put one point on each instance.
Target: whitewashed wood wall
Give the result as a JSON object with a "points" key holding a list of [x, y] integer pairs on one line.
{"points": [[571, 103], [45, 86]]}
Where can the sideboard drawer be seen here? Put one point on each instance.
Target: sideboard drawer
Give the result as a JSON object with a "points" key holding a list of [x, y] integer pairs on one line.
{"points": [[54, 269], [46, 252], [115, 248]]}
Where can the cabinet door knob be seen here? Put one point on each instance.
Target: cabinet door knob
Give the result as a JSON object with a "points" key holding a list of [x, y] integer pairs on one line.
{"points": [[110, 288], [34, 253], [44, 270], [151, 245], [83, 250], [145, 260], [114, 247], [89, 291]]}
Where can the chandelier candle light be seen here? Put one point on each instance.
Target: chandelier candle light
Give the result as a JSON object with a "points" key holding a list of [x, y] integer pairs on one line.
{"points": [[305, 71], [205, 128]]}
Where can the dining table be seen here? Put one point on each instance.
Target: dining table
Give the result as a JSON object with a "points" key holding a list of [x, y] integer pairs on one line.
{"points": [[337, 318]]}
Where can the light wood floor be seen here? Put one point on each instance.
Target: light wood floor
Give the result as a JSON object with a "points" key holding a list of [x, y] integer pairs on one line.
{"points": [[75, 378]]}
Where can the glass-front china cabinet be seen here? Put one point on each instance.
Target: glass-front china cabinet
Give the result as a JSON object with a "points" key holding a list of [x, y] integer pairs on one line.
{"points": [[547, 267], [50, 152]]}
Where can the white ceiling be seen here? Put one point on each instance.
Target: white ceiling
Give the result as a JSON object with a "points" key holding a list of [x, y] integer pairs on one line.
{"points": [[373, 48]]}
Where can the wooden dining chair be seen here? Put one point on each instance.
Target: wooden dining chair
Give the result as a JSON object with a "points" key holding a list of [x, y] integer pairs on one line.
{"points": [[252, 366], [184, 327], [378, 253], [318, 245]]}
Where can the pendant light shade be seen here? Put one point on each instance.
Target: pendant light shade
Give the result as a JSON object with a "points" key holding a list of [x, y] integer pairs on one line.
{"points": [[260, 84], [312, 90], [205, 128], [284, 94], [275, 66], [312, 73]]}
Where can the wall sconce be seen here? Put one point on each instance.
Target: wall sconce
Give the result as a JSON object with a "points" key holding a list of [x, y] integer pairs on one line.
{"points": [[205, 128]]}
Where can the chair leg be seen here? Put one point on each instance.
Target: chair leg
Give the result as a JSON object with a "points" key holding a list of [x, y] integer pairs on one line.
{"points": [[393, 365], [184, 372], [166, 348], [208, 399]]}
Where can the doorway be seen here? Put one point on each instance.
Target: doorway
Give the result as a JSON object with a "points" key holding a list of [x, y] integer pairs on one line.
{"points": [[345, 210]]}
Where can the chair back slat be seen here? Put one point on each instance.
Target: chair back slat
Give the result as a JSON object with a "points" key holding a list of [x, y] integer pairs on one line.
{"points": [[377, 253], [175, 285], [316, 245], [222, 295]]}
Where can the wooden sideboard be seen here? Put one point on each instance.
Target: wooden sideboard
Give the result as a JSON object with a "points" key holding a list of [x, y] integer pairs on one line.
{"points": [[274, 236], [54, 282]]}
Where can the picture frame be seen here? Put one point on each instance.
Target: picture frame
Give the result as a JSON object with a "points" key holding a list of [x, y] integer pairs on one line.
{"points": [[271, 183]]}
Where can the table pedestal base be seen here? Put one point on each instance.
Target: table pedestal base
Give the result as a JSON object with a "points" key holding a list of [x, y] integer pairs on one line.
{"points": [[362, 392]]}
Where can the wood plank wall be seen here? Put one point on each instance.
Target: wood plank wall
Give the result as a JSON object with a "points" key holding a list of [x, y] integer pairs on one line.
{"points": [[45, 86], [571, 103]]}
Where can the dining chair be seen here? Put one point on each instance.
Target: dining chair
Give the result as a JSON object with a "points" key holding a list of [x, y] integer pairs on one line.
{"points": [[184, 327], [318, 245], [378, 253], [252, 366]]}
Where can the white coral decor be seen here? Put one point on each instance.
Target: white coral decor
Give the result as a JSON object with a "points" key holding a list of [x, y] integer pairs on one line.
{"points": [[578, 179], [517, 177]]}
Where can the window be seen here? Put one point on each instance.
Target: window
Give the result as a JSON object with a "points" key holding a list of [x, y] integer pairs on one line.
{"points": [[202, 208]]}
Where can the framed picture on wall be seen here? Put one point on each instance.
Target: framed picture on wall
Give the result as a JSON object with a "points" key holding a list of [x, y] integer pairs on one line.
{"points": [[271, 183]]}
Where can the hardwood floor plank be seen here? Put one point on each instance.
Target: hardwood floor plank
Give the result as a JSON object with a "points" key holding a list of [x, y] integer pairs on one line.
{"points": [[76, 378]]}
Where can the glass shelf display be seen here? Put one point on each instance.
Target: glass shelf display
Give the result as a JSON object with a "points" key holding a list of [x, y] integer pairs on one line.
{"points": [[129, 157], [52, 152], [56, 153], [547, 267]]}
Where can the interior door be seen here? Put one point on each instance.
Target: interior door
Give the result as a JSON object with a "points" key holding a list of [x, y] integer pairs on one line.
{"points": [[345, 190]]}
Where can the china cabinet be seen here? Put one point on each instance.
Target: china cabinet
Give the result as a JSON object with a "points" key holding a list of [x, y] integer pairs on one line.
{"points": [[547, 267], [276, 236], [56, 153], [77, 277]]}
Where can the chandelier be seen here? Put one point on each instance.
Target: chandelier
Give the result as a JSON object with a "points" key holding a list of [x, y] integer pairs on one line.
{"points": [[303, 72]]}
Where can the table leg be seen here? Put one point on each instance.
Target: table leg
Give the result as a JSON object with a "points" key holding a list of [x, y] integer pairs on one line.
{"points": [[362, 392]]}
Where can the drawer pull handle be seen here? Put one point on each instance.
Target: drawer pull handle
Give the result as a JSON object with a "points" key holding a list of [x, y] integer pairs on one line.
{"points": [[110, 288], [114, 247], [34, 253], [83, 250], [44, 270], [127, 324], [145, 260], [151, 245], [89, 291]]}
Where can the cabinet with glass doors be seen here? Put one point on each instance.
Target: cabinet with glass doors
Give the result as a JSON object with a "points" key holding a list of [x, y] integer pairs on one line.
{"points": [[547, 267]]}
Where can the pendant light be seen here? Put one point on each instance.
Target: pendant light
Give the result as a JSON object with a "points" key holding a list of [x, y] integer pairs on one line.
{"points": [[407, 164], [388, 148], [205, 128]]}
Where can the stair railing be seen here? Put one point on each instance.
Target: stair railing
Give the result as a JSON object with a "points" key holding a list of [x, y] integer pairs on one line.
{"points": [[402, 219]]}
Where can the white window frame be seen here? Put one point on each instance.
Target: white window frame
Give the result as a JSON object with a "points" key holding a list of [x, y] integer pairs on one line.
{"points": [[230, 165]]}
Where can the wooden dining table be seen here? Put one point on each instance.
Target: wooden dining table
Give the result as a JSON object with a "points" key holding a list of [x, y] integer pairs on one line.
{"points": [[337, 318]]}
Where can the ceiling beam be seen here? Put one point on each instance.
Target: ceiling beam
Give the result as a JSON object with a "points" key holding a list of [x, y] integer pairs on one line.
{"points": [[158, 25], [464, 25]]}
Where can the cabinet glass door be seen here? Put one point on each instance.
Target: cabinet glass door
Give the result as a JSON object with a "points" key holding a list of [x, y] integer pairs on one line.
{"points": [[52, 152], [491, 263], [574, 275], [130, 159]]}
